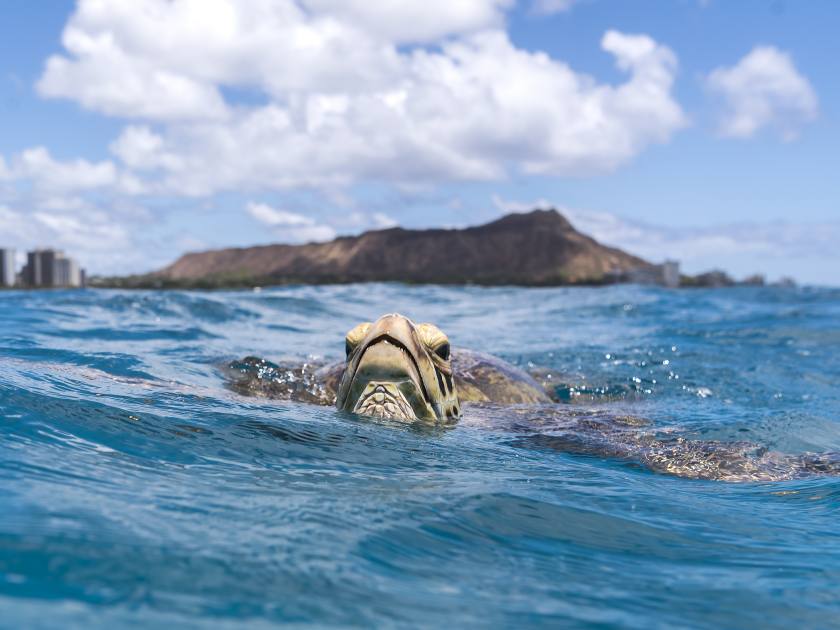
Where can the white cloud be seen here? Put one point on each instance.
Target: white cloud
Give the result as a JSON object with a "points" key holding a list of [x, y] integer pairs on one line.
{"points": [[549, 7], [381, 220], [140, 148], [37, 165], [265, 96], [467, 112], [271, 216], [50, 179], [114, 85], [407, 21], [359, 221], [516, 206], [290, 226], [93, 232], [94, 235], [296, 227], [338, 74], [763, 89], [107, 237], [165, 60], [63, 203]]}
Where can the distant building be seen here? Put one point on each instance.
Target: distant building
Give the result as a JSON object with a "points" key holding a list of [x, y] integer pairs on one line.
{"points": [[671, 273], [48, 264], [785, 281], [7, 267], [755, 280], [32, 274], [51, 268], [667, 274], [67, 273]]}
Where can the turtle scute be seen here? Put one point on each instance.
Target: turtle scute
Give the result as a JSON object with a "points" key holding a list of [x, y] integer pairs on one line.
{"points": [[481, 377]]}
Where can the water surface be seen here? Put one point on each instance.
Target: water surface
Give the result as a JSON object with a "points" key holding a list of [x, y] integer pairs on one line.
{"points": [[136, 489]]}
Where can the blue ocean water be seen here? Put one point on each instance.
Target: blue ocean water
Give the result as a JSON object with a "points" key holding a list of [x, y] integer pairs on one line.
{"points": [[136, 489]]}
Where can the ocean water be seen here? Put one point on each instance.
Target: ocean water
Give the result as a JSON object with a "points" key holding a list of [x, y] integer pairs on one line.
{"points": [[136, 489]]}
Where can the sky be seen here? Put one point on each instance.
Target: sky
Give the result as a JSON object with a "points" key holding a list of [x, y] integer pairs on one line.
{"points": [[699, 130]]}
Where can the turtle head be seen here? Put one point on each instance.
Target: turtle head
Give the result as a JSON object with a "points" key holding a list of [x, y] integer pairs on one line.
{"points": [[398, 369]]}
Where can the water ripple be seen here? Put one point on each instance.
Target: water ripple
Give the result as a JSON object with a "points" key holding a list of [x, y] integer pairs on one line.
{"points": [[137, 489]]}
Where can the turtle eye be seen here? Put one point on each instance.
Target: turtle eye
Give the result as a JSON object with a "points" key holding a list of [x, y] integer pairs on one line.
{"points": [[435, 340], [355, 337]]}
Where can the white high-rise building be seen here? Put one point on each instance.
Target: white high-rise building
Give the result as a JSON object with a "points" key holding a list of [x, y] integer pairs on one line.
{"points": [[671, 273], [7, 267], [67, 273]]}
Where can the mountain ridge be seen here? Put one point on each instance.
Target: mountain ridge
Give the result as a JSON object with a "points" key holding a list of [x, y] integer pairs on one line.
{"points": [[538, 248]]}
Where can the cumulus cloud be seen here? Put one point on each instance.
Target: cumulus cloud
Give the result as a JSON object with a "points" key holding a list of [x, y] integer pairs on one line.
{"points": [[290, 226], [409, 21], [763, 89], [38, 165], [140, 148], [468, 112], [108, 235], [100, 238], [48, 177], [284, 96], [78, 205], [163, 60], [346, 98]]}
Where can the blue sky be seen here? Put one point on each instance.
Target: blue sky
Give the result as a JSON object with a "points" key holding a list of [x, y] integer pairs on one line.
{"points": [[700, 130]]}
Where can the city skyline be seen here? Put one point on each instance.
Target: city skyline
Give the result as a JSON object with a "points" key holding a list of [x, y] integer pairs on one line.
{"points": [[43, 268], [698, 130]]}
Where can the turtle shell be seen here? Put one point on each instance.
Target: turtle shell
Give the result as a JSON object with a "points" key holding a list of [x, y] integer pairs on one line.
{"points": [[481, 377]]}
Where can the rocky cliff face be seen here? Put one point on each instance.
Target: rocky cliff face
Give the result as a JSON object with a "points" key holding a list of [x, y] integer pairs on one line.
{"points": [[538, 248]]}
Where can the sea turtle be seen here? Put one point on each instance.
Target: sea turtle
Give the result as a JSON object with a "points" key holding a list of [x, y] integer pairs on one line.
{"points": [[396, 369]]}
